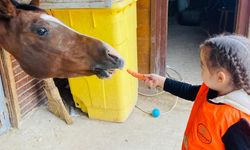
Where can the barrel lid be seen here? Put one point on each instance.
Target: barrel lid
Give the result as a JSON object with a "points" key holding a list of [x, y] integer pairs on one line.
{"points": [[48, 4]]}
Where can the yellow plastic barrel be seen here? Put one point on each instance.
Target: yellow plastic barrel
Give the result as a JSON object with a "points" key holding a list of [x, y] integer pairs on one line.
{"points": [[112, 99]]}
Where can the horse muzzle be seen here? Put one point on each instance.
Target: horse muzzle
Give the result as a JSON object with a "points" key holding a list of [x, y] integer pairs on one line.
{"points": [[108, 69]]}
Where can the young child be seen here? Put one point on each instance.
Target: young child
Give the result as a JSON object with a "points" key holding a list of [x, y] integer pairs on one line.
{"points": [[220, 115]]}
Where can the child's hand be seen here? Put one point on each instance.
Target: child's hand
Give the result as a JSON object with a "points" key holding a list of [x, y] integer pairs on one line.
{"points": [[154, 80]]}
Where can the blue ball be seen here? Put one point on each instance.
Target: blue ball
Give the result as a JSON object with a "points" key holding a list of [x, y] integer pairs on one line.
{"points": [[155, 112]]}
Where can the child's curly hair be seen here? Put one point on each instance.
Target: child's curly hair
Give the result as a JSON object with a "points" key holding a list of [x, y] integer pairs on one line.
{"points": [[231, 52]]}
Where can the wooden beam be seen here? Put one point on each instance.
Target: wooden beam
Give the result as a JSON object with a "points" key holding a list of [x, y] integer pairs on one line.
{"points": [[249, 30], [243, 14], [10, 88], [143, 35], [159, 26], [248, 19], [55, 103]]}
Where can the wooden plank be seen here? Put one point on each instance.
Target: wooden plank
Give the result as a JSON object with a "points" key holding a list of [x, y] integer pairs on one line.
{"points": [[143, 35], [243, 15], [153, 62], [249, 29], [10, 88], [163, 32], [159, 26], [248, 19], [55, 103]]}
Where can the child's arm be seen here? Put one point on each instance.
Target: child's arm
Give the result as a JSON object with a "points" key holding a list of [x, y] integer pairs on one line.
{"points": [[177, 88], [239, 131]]}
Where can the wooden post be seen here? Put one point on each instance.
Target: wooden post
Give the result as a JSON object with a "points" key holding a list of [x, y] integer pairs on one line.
{"points": [[10, 88], [243, 15], [159, 26], [55, 103], [249, 30], [143, 35]]}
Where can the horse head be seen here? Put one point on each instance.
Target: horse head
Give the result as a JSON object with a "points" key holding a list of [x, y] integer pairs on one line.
{"points": [[45, 47]]}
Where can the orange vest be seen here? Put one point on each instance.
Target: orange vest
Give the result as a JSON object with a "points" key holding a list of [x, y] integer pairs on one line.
{"points": [[208, 122]]}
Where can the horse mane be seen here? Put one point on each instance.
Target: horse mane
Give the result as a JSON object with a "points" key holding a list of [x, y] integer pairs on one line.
{"points": [[25, 6]]}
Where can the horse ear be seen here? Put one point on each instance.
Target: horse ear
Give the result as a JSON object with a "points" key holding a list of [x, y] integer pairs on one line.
{"points": [[35, 2], [7, 9]]}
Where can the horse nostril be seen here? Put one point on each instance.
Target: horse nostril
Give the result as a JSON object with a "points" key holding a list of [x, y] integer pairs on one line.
{"points": [[117, 61], [114, 58]]}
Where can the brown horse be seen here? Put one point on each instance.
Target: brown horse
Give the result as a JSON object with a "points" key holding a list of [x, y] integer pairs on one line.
{"points": [[45, 47]]}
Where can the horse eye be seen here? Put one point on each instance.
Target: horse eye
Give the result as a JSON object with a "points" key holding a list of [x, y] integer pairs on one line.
{"points": [[42, 31]]}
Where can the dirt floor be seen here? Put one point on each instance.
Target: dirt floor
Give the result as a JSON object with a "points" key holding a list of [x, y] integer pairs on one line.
{"points": [[43, 131]]}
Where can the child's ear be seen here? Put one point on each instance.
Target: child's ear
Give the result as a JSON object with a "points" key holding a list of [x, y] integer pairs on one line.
{"points": [[221, 77], [7, 9]]}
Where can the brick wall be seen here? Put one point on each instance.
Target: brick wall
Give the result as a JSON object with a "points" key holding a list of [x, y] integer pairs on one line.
{"points": [[29, 90]]}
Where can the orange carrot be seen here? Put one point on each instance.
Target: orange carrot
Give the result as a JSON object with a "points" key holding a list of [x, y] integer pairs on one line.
{"points": [[137, 75]]}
